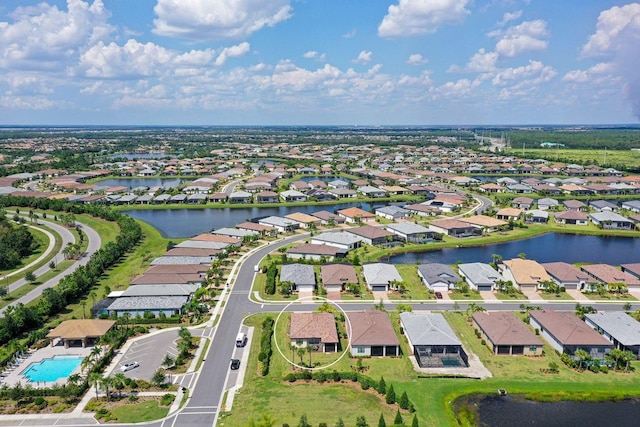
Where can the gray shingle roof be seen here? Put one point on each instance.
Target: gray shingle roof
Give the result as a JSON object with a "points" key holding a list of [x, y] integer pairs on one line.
{"points": [[149, 303], [479, 273], [435, 272], [428, 329], [159, 290], [380, 273], [619, 325], [299, 274]]}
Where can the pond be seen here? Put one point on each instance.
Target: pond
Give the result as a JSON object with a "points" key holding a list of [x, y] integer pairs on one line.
{"points": [[135, 156], [140, 182], [550, 247], [496, 411], [190, 222]]}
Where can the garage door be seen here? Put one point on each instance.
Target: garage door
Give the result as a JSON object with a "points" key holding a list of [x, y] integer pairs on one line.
{"points": [[379, 288], [484, 288]]}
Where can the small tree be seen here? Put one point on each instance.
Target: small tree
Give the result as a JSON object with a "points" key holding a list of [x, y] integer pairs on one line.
{"points": [[159, 378], [382, 387], [404, 401], [391, 395], [30, 277], [398, 418], [382, 422], [303, 421], [340, 423], [414, 423], [361, 421]]}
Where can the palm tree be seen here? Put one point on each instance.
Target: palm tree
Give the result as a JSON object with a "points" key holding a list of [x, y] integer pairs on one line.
{"points": [[301, 352], [107, 383], [74, 380], [582, 356], [119, 380], [95, 379], [310, 350], [185, 334]]}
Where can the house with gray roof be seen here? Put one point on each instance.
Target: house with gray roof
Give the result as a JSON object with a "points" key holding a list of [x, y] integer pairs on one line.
{"points": [[618, 327], [611, 221], [281, 224], [603, 205], [138, 306], [160, 290], [338, 183], [338, 239], [479, 276], [546, 204], [371, 191], [166, 260], [392, 212], [438, 277], [411, 232], [432, 341], [293, 196], [240, 197], [202, 244], [379, 276], [236, 232], [632, 205], [301, 275], [536, 216]]}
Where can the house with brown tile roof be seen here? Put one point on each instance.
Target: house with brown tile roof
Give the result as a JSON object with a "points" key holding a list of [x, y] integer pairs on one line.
{"points": [[509, 214], [317, 330], [565, 274], [305, 220], [504, 334], [372, 334], [354, 215], [633, 269], [193, 252], [372, 235], [567, 333], [454, 228], [486, 223], [609, 274], [571, 218], [335, 276], [525, 274], [208, 237], [168, 278], [177, 269]]}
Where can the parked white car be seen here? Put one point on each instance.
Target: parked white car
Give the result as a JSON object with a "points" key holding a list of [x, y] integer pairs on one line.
{"points": [[129, 366]]}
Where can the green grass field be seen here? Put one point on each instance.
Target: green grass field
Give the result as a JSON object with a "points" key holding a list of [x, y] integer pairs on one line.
{"points": [[608, 158]]}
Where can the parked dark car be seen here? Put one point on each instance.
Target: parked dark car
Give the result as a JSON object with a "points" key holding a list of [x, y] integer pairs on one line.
{"points": [[439, 295], [235, 364]]}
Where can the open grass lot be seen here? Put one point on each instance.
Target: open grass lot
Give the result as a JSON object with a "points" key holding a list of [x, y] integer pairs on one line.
{"points": [[610, 297], [562, 296], [433, 397], [614, 158]]}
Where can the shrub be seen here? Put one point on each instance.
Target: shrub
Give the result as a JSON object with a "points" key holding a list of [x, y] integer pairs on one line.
{"points": [[167, 399]]}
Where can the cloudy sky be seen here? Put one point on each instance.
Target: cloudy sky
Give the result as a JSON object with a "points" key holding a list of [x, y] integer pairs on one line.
{"points": [[298, 62]]}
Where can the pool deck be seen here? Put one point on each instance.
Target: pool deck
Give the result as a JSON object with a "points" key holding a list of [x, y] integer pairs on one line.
{"points": [[13, 376]]}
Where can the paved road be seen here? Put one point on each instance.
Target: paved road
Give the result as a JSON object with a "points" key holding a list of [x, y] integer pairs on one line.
{"points": [[94, 243]]}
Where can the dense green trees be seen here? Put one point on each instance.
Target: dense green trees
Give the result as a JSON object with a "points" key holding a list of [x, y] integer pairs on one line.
{"points": [[16, 242]]}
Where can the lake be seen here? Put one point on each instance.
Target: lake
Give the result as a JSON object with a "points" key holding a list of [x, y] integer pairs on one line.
{"points": [[135, 156], [550, 247], [190, 222], [140, 182], [507, 411]]}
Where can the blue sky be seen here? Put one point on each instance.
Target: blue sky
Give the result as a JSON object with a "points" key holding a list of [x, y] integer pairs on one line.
{"points": [[319, 62]]}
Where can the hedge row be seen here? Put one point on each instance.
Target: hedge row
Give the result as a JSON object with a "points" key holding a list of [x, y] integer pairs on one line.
{"points": [[265, 345], [270, 286]]}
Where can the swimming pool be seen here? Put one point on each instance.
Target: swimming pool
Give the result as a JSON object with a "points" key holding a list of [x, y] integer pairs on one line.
{"points": [[50, 370]]}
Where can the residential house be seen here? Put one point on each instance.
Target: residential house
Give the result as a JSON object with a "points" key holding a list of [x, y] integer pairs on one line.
{"points": [[304, 220], [372, 192], [293, 196], [611, 275], [339, 239], [432, 341], [486, 223], [301, 276], [374, 236], [315, 252], [421, 209], [567, 333], [336, 276], [338, 183], [410, 232], [505, 334], [547, 204], [379, 276], [574, 205], [632, 205], [455, 228], [317, 330], [281, 224], [571, 218], [536, 216], [243, 232], [328, 218], [611, 221], [372, 334], [343, 193], [522, 203], [267, 197], [356, 215], [438, 277], [632, 269], [603, 205], [392, 212], [240, 197], [568, 276], [525, 274], [622, 330], [479, 276], [509, 214]]}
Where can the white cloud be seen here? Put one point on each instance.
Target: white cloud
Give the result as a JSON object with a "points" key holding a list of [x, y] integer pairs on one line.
{"points": [[232, 52], [351, 34], [510, 16], [220, 19], [615, 28], [363, 57], [524, 80], [312, 54], [458, 89], [584, 76], [526, 37], [617, 39], [416, 59], [44, 37], [414, 17], [480, 62]]}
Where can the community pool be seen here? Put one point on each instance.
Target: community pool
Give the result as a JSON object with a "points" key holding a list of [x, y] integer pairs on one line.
{"points": [[50, 370]]}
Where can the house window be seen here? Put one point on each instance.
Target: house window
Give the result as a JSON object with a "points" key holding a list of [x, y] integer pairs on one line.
{"points": [[312, 341], [298, 342], [533, 348], [360, 349]]}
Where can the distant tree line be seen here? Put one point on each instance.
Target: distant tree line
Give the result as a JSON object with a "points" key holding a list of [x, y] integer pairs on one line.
{"points": [[16, 242]]}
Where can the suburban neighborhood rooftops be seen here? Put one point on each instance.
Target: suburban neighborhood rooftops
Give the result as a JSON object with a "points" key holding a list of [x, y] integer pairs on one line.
{"points": [[149, 303], [338, 274], [371, 327], [610, 274], [313, 325], [480, 273], [370, 232], [567, 328], [504, 328], [428, 329], [380, 273], [624, 328], [526, 271], [435, 272], [565, 273], [299, 274]]}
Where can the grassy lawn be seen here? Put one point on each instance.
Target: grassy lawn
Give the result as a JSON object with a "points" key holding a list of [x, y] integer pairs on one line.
{"points": [[431, 396], [510, 297], [471, 295], [629, 158], [562, 296], [415, 288], [610, 297], [148, 410]]}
